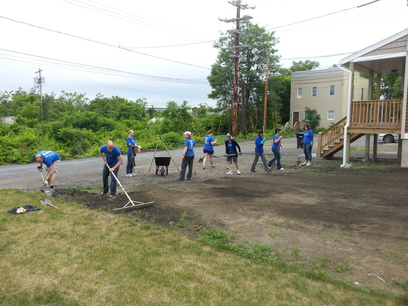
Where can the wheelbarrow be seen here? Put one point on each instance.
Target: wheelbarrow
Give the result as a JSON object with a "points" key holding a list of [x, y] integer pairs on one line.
{"points": [[162, 165]]}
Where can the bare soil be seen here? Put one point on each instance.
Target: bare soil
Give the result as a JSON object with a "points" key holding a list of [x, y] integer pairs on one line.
{"points": [[349, 223]]}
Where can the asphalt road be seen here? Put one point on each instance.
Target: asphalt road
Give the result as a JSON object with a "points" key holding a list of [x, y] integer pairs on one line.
{"points": [[87, 171]]}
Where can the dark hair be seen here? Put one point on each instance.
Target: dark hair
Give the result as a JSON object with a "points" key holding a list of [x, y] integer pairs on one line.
{"points": [[260, 132], [209, 132], [306, 126], [277, 130]]}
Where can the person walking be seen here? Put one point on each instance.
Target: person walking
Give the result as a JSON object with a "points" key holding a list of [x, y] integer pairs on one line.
{"points": [[112, 157], [307, 144], [276, 146], [259, 152], [231, 146], [51, 160], [187, 156], [208, 148], [131, 153]]}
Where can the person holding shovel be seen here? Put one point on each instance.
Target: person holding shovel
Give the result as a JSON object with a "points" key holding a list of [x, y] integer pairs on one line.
{"points": [[131, 153], [51, 160], [231, 151], [112, 159], [187, 156], [208, 149]]}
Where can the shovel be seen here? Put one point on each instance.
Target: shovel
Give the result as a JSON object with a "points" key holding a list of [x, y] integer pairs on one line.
{"points": [[48, 202], [47, 190]]}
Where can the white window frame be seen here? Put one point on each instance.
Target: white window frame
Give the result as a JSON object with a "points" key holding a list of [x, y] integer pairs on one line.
{"points": [[330, 115], [330, 90], [299, 92], [314, 91]]}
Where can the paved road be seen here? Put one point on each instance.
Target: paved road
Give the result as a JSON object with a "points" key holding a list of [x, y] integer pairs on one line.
{"points": [[87, 171]]}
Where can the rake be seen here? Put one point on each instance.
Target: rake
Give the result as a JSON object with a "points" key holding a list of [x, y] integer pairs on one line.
{"points": [[130, 204]]}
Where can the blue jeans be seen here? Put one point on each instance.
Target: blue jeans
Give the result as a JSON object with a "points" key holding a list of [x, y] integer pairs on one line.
{"points": [[105, 177], [187, 161], [130, 162], [307, 149], [277, 158]]}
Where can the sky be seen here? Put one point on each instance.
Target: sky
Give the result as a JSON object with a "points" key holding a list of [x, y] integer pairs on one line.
{"points": [[162, 50]]}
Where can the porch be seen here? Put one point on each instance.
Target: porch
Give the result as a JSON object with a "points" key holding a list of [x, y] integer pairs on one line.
{"points": [[366, 117]]}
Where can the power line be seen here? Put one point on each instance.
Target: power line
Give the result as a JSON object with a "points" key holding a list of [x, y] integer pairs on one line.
{"points": [[101, 43], [93, 68]]}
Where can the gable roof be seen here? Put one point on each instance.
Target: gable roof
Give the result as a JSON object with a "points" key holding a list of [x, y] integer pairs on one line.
{"points": [[384, 56]]}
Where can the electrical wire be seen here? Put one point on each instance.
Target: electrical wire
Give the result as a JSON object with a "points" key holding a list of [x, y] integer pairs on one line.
{"points": [[101, 43]]}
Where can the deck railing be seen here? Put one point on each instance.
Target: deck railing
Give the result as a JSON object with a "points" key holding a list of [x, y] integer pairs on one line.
{"points": [[376, 113], [332, 134]]}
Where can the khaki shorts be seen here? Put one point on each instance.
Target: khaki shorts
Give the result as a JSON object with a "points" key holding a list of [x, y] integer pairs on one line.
{"points": [[54, 167]]}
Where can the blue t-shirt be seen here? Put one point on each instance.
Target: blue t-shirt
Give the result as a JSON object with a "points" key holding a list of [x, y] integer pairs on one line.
{"points": [[190, 144], [207, 143], [49, 157], [132, 141], [276, 146], [307, 137], [259, 147], [111, 157], [230, 148]]}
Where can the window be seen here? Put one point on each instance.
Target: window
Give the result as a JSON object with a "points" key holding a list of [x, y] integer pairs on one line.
{"points": [[332, 90], [330, 115], [299, 92], [314, 91]]}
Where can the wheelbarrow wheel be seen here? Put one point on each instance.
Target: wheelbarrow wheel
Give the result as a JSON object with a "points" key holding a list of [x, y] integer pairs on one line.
{"points": [[162, 171]]}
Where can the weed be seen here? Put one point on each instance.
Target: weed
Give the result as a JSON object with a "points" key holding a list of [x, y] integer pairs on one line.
{"points": [[273, 235], [342, 267], [183, 220], [295, 252], [400, 283]]}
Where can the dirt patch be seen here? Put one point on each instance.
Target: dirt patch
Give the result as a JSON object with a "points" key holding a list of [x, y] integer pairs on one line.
{"points": [[350, 223]]}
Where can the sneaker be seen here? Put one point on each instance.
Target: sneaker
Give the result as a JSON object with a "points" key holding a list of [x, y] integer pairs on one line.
{"points": [[229, 173], [129, 175], [238, 172], [281, 169], [253, 170], [304, 163], [103, 193], [133, 174], [308, 164], [269, 169], [203, 168], [111, 196]]}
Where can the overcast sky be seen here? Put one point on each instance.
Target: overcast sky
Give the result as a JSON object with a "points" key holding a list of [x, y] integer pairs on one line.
{"points": [[163, 50]]}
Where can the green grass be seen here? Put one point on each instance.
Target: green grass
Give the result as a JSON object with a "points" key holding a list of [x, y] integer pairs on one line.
{"points": [[88, 257]]}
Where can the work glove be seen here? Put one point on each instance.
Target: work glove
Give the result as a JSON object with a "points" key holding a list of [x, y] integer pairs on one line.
{"points": [[39, 168], [46, 183], [263, 140], [239, 153]]}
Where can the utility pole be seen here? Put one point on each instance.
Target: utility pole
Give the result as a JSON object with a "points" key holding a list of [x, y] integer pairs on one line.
{"points": [[238, 4], [266, 96], [39, 80]]}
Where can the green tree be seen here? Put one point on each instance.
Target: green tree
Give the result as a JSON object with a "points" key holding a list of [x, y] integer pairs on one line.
{"points": [[176, 117], [391, 86], [251, 79], [312, 117], [304, 65]]}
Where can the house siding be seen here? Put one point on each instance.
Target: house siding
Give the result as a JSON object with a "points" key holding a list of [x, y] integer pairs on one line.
{"points": [[323, 102]]}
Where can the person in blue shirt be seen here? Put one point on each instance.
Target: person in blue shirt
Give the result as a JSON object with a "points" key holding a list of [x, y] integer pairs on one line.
{"points": [[111, 157], [259, 152], [208, 149], [51, 160], [231, 146], [187, 156], [307, 144], [131, 153], [276, 146]]}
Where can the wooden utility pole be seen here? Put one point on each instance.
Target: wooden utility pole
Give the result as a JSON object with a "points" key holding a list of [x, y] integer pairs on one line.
{"points": [[237, 33], [266, 96], [39, 81]]}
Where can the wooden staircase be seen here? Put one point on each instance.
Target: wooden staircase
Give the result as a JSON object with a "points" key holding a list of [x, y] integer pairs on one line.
{"points": [[332, 140]]}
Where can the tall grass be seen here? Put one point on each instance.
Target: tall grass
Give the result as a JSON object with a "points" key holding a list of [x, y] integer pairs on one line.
{"points": [[87, 257]]}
